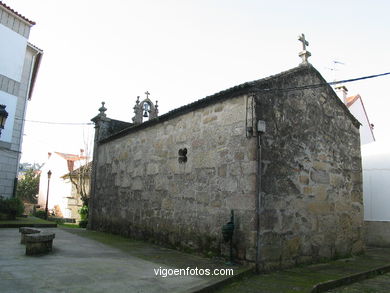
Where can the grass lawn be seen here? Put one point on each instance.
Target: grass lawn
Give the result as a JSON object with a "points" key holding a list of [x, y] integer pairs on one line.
{"points": [[68, 225], [29, 221]]}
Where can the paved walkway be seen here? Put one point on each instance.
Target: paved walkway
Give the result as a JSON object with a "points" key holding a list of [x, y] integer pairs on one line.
{"points": [[79, 264], [303, 279], [88, 261], [379, 284]]}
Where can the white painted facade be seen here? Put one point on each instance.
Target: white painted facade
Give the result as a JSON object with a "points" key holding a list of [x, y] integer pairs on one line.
{"points": [[19, 63], [376, 176], [376, 187], [357, 110], [12, 53], [60, 189]]}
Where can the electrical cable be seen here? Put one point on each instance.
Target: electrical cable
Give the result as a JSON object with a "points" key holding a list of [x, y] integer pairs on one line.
{"points": [[57, 123], [312, 86], [303, 87]]}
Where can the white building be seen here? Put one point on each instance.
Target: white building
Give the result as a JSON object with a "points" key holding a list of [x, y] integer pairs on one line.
{"points": [[61, 199], [356, 106], [19, 63], [376, 175]]}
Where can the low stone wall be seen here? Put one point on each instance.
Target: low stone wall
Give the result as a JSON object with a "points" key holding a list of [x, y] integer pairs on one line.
{"points": [[377, 233]]}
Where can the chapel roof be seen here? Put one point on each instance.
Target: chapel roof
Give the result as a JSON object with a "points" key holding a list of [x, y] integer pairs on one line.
{"points": [[264, 84], [16, 13]]}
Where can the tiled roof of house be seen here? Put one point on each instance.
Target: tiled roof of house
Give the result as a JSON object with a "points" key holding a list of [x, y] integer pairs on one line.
{"points": [[350, 100], [83, 170], [71, 157], [16, 13]]}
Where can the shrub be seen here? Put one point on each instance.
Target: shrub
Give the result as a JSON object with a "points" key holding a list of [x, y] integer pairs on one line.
{"points": [[11, 207], [28, 186], [83, 223], [84, 213], [58, 221], [40, 214]]}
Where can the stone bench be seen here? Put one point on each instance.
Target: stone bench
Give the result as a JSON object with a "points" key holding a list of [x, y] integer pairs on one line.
{"points": [[26, 231], [39, 243]]}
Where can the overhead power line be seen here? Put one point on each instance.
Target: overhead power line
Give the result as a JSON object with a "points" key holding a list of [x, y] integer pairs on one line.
{"points": [[359, 78], [56, 123], [303, 87], [312, 86]]}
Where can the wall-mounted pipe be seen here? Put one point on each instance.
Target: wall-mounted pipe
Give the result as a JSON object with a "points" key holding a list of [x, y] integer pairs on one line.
{"points": [[260, 130]]}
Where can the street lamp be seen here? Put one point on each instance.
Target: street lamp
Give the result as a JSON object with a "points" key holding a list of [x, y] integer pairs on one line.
{"points": [[47, 196], [3, 117]]}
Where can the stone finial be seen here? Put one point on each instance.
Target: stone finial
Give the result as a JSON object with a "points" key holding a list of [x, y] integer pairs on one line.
{"points": [[304, 54], [102, 110]]}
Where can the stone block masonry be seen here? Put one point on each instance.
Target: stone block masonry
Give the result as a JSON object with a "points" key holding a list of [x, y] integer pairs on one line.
{"points": [[8, 161], [311, 199], [312, 150], [152, 195]]}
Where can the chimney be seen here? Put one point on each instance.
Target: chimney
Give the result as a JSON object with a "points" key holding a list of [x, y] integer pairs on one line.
{"points": [[342, 93]]}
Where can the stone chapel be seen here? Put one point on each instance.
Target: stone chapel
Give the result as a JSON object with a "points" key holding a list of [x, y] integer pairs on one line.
{"points": [[282, 152]]}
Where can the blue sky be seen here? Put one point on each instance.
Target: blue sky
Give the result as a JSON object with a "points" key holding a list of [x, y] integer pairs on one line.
{"points": [[181, 51]]}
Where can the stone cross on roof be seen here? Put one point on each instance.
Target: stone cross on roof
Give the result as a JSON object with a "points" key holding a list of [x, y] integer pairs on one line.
{"points": [[304, 54], [304, 42], [147, 94]]}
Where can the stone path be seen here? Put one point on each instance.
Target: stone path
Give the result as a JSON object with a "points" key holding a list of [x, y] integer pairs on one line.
{"points": [[79, 264], [304, 278], [379, 284]]}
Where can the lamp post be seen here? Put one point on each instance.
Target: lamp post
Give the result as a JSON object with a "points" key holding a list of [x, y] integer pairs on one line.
{"points": [[3, 117], [47, 196]]}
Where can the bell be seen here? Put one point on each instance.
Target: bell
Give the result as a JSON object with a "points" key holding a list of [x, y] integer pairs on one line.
{"points": [[146, 113]]}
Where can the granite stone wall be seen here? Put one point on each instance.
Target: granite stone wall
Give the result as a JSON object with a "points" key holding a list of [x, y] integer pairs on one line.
{"points": [[311, 183], [312, 206], [142, 190]]}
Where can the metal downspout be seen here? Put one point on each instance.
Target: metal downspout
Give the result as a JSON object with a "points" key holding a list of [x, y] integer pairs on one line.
{"points": [[258, 200]]}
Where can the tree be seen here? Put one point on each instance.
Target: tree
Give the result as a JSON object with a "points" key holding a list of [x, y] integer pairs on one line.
{"points": [[28, 186], [80, 179]]}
